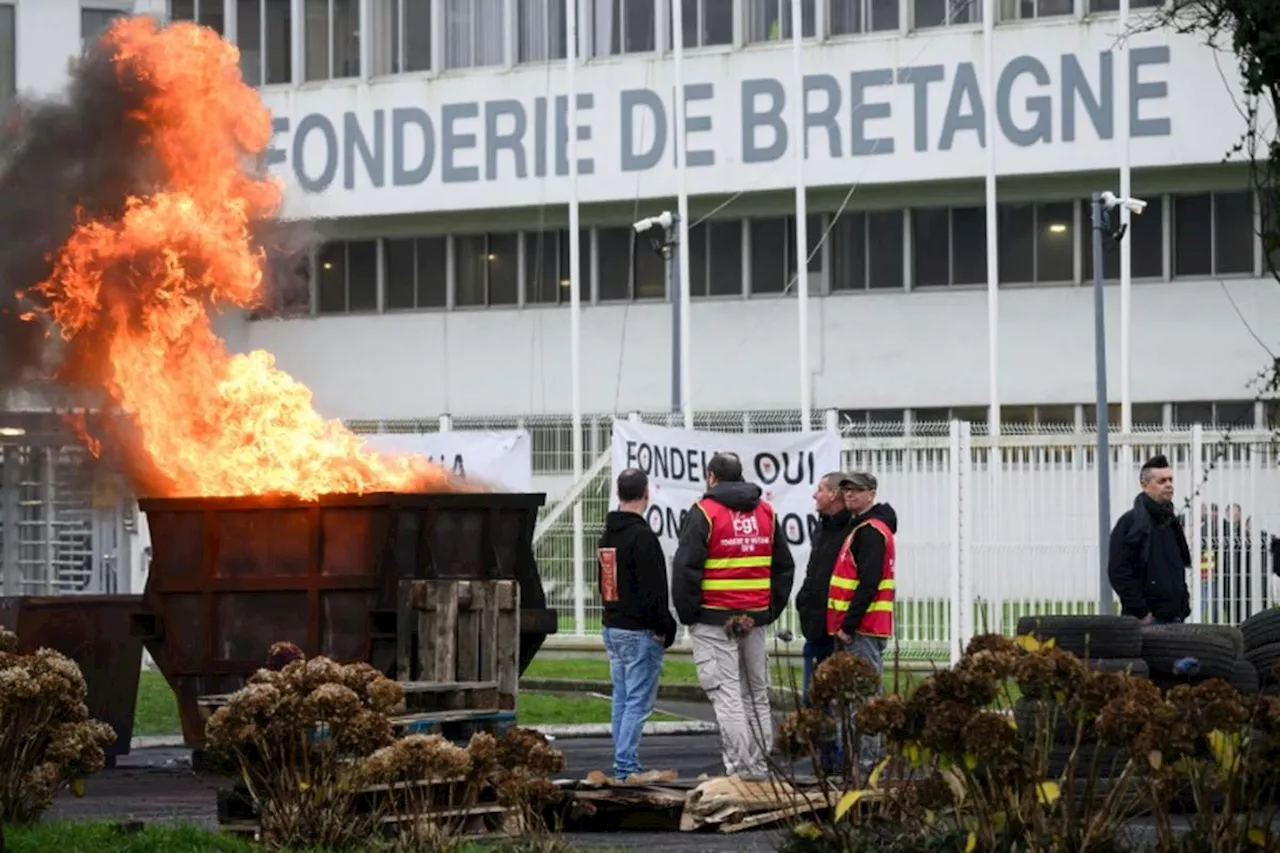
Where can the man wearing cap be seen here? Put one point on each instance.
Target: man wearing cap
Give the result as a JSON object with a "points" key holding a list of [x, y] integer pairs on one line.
{"points": [[811, 600], [860, 601], [1149, 557], [731, 576]]}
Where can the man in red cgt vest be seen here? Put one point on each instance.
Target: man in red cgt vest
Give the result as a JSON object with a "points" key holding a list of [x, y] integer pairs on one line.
{"points": [[730, 577], [860, 599]]}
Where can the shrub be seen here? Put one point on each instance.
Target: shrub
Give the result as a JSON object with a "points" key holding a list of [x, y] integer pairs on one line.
{"points": [[47, 740], [1085, 751]]}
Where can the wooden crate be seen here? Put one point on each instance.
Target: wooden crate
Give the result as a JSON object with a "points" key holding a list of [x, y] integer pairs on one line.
{"points": [[460, 633]]}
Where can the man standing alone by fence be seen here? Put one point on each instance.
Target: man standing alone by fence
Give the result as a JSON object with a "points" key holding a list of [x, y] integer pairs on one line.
{"points": [[1149, 556], [732, 576], [638, 625]]}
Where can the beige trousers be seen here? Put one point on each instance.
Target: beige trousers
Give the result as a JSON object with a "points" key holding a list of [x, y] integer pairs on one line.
{"points": [[735, 676]]}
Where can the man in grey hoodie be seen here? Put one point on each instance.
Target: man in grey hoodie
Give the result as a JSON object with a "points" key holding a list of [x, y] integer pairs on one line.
{"points": [[732, 576]]}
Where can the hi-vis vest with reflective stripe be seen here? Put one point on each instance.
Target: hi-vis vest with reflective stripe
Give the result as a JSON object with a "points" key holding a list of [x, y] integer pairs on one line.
{"points": [[736, 575], [1208, 562], [878, 621]]}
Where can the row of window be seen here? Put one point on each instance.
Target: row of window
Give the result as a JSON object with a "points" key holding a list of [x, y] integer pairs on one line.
{"points": [[1225, 414], [430, 35], [1180, 236]]}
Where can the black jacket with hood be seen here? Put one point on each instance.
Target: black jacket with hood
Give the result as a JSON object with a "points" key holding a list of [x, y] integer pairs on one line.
{"points": [[811, 600], [643, 603], [1148, 562], [691, 556], [867, 548]]}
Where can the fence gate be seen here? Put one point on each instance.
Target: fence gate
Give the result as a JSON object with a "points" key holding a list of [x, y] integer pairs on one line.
{"points": [[61, 531]]}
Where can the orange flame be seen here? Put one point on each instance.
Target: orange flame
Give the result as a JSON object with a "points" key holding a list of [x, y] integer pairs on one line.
{"points": [[130, 294]]}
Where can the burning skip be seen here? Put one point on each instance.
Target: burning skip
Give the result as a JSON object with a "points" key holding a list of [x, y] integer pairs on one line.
{"points": [[130, 289]]}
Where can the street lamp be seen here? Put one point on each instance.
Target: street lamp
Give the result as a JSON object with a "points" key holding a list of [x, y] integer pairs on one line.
{"points": [[664, 238], [1103, 204]]}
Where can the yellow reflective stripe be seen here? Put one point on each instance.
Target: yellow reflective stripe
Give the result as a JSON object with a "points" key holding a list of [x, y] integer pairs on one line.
{"points": [[880, 607], [887, 584], [754, 583], [739, 563], [836, 604], [844, 583]]}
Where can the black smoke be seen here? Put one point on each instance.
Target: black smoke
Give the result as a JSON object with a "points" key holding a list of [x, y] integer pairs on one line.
{"points": [[81, 154]]}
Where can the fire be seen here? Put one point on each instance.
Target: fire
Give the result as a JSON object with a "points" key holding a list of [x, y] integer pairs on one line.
{"points": [[130, 293]]}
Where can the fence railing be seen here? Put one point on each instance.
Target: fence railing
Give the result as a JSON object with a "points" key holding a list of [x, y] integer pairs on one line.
{"points": [[994, 528]]}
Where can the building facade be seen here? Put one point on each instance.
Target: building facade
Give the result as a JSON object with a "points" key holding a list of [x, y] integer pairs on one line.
{"points": [[427, 141]]}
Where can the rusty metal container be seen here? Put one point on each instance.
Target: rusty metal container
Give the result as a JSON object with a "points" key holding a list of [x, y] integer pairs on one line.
{"points": [[94, 631], [231, 576]]}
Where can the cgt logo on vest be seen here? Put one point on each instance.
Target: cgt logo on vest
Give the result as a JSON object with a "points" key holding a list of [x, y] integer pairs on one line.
{"points": [[745, 525]]}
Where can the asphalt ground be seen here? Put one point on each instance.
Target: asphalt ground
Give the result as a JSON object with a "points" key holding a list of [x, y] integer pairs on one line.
{"points": [[157, 785]]}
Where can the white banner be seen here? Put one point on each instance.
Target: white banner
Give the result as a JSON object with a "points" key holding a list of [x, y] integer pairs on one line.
{"points": [[501, 457], [787, 466]]}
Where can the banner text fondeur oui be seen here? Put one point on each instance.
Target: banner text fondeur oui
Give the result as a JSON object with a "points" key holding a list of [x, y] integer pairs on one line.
{"points": [[511, 138]]}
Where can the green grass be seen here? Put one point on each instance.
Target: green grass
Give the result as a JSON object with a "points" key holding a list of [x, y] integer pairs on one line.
{"points": [[105, 838], [157, 710]]}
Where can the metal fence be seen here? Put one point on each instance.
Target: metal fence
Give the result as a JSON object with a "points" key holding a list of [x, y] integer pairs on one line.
{"points": [[992, 528]]}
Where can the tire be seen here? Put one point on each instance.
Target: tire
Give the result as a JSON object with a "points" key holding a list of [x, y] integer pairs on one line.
{"points": [[1110, 760], [1163, 646], [1133, 666], [1265, 660], [1088, 637], [1027, 711], [1245, 678], [1261, 629], [1230, 633]]}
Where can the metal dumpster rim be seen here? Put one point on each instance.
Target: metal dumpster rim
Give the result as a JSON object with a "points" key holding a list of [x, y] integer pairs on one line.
{"points": [[407, 500]]}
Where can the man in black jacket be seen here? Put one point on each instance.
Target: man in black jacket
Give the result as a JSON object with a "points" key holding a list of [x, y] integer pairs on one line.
{"points": [[811, 600], [1149, 556], [731, 576], [638, 625]]}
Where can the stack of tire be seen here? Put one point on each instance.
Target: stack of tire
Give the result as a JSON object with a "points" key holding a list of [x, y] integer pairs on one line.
{"points": [[1260, 635], [1192, 654], [1104, 643]]}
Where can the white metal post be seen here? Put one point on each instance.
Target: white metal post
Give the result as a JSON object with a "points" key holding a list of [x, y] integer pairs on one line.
{"points": [[575, 316], [446, 423], [1197, 502], [993, 243], [9, 516], [966, 533], [1126, 256], [799, 139], [682, 201], [953, 541]]}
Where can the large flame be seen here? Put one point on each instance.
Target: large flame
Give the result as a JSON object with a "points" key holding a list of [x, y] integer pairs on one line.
{"points": [[129, 294]]}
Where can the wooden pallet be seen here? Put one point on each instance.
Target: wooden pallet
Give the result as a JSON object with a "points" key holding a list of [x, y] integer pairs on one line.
{"points": [[461, 632], [457, 726]]}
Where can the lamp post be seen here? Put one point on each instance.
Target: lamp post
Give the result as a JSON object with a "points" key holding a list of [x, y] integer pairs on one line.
{"points": [[1103, 204]]}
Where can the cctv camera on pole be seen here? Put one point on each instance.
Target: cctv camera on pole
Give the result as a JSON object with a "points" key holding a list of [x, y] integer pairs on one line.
{"points": [[664, 238], [1103, 204]]}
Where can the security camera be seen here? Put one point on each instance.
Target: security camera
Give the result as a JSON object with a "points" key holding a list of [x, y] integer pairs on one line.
{"points": [[663, 220], [1133, 205]]}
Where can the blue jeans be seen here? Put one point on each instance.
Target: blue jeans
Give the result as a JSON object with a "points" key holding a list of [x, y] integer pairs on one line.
{"points": [[635, 662]]}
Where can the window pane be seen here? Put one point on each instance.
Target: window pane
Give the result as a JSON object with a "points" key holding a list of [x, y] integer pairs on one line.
{"points": [[1192, 235], [969, 245], [717, 21], [417, 35], [1233, 232], [279, 42], [584, 264], [1056, 416], [249, 40], [93, 22], [651, 269], [884, 15], [930, 237], [1189, 414], [698, 260], [316, 39], [211, 15], [1145, 236], [845, 17], [504, 274], [770, 20], [849, 252], [814, 227], [470, 258], [1235, 414], [1055, 244], [616, 247], [333, 279], [639, 27], [1091, 415], [362, 275], [1017, 242], [768, 255], [726, 257], [433, 272], [542, 267], [346, 38], [1147, 414], [884, 228], [180, 10], [474, 33], [398, 256], [541, 30], [930, 13], [1018, 415], [8, 54]]}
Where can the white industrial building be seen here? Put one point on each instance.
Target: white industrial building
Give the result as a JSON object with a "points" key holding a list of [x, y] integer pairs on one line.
{"points": [[428, 141]]}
